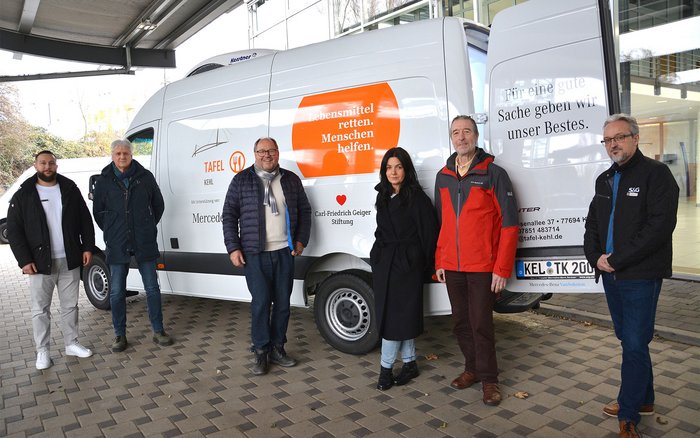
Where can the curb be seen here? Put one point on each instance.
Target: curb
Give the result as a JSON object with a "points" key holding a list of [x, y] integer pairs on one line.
{"points": [[671, 334]]}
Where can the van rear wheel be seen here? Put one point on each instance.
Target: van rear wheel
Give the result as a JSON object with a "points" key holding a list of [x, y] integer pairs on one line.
{"points": [[97, 282], [345, 313]]}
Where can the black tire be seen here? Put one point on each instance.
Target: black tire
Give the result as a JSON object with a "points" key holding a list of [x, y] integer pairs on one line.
{"points": [[97, 281], [3, 233], [345, 313]]}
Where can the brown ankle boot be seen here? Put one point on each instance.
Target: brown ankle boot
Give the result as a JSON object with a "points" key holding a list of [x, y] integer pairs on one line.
{"points": [[629, 430]]}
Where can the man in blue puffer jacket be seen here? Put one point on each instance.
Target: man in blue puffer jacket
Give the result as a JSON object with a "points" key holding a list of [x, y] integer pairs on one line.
{"points": [[127, 207], [267, 222]]}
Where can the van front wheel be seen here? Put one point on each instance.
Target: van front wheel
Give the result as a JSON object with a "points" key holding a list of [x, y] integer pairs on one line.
{"points": [[345, 313], [96, 282], [3, 233]]}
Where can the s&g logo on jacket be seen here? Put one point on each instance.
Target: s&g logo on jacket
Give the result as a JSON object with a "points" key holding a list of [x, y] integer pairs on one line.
{"points": [[633, 191]]}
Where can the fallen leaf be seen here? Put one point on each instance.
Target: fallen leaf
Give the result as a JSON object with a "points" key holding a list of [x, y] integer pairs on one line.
{"points": [[521, 395], [431, 356], [443, 425], [661, 420]]}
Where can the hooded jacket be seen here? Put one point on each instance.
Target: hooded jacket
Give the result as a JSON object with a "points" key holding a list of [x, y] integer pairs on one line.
{"points": [[28, 231], [478, 218], [645, 217], [128, 215]]}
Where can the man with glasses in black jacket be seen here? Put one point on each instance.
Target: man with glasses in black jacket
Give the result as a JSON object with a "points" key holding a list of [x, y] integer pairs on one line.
{"points": [[628, 240]]}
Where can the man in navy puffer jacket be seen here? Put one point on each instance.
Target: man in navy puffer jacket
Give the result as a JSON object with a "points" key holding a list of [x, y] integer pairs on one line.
{"points": [[267, 222]]}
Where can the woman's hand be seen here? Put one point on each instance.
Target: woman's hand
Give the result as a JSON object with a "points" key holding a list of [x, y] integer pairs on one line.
{"points": [[440, 274]]}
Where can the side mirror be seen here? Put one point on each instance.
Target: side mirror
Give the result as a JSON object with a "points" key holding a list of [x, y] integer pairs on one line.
{"points": [[91, 186]]}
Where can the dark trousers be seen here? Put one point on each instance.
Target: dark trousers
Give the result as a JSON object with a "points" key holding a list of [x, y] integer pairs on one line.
{"points": [[269, 276], [472, 318], [117, 295], [632, 305]]}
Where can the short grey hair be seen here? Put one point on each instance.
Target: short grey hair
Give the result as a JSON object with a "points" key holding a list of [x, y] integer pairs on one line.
{"points": [[631, 121], [122, 143]]}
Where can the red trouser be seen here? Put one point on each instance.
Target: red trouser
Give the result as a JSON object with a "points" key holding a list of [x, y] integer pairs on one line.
{"points": [[472, 317]]}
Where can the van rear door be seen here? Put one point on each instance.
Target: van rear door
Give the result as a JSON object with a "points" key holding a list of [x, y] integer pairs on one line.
{"points": [[551, 78]]}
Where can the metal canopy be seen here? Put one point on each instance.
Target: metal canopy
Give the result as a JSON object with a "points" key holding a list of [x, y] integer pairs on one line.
{"points": [[125, 33]]}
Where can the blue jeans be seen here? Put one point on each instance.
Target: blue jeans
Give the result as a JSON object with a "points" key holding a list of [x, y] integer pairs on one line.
{"points": [[270, 277], [632, 305], [117, 295], [391, 348]]}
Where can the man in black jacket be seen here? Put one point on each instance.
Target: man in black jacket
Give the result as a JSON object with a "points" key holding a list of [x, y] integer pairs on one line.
{"points": [[628, 240], [127, 207], [267, 222], [51, 235]]}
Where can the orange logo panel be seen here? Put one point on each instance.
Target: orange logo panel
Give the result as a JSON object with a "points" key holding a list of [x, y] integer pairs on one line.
{"points": [[345, 132]]}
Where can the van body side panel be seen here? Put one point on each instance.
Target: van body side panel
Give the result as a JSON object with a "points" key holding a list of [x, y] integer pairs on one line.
{"points": [[364, 99], [210, 123], [547, 104]]}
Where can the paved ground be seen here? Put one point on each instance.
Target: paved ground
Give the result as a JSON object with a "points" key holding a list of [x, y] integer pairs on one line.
{"points": [[201, 386], [677, 314]]}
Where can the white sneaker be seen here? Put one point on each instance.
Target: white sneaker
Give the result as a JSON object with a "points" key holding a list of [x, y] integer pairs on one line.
{"points": [[43, 360], [75, 349]]}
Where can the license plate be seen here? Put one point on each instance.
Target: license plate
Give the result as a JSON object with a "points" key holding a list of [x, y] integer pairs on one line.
{"points": [[579, 268]]}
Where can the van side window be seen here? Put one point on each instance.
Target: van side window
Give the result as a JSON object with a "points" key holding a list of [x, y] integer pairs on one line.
{"points": [[143, 143]]}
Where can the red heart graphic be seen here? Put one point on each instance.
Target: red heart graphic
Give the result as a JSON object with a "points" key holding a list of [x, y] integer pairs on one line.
{"points": [[341, 199]]}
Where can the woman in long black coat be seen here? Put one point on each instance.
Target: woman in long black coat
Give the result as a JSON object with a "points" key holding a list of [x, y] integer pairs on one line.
{"points": [[402, 260]]}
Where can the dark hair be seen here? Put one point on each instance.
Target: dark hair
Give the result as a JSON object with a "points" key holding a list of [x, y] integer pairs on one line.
{"points": [[45, 151], [461, 117], [410, 184]]}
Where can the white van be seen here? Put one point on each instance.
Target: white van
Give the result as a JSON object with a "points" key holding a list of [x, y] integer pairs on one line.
{"points": [[539, 80]]}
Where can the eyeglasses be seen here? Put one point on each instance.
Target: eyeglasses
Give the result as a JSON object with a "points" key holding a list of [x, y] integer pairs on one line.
{"points": [[617, 139], [263, 152]]}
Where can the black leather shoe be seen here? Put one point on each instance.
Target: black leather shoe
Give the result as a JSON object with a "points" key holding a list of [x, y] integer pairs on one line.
{"points": [[261, 365], [279, 357], [386, 379], [409, 371], [119, 344]]}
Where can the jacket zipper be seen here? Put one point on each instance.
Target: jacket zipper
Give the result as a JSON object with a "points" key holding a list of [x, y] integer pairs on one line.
{"points": [[459, 210]]}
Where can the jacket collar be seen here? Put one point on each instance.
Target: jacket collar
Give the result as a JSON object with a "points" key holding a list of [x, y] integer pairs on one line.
{"points": [[109, 172], [481, 161], [30, 183], [636, 158]]}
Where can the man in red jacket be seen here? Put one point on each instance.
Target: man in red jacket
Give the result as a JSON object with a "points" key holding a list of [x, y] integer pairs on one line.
{"points": [[475, 250]]}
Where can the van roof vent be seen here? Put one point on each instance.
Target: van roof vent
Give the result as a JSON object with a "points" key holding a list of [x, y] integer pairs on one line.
{"points": [[228, 59], [204, 68]]}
